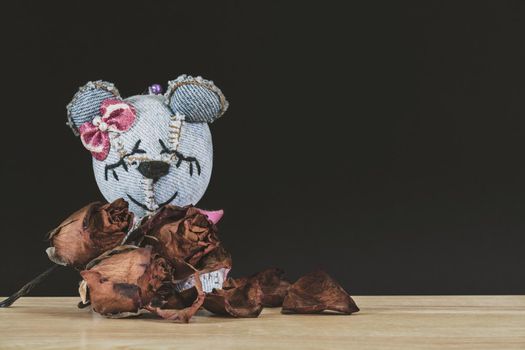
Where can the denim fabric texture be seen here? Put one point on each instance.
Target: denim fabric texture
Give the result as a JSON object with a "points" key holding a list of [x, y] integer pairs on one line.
{"points": [[170, 129], [150, 127], [86, 102], [199, 100]]}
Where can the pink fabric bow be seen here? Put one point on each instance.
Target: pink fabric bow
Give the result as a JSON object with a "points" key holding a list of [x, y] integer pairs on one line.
{"points": [[116, 116]]}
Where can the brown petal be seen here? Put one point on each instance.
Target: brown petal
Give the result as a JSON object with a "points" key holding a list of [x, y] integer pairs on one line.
{"points": [[124, 265], [244, 301], [273, 286], [179, 300], [158, 272], [124, 279], [181, 306], [235, 282], [217, 259], [70, 242], [108, 297], [84, 294], [109, 228], [115, 216], [168, 213], [182, 270], [89, 232], [317, 292], [181, 235]]}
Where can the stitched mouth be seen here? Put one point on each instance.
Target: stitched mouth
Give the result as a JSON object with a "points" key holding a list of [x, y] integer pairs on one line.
{"points": [[144, 206]]}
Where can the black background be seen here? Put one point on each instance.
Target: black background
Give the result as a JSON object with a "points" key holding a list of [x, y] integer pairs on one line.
{"points": [[382, 142]]}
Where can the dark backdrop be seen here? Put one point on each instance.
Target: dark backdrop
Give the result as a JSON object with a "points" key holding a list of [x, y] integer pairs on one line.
{"points": [[382, 142]]}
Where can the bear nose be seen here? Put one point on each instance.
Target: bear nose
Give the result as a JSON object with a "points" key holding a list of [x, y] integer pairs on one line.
{"points": [[153, 169]]}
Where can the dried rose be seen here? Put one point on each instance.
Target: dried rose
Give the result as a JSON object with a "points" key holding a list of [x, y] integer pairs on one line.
{"points": [[178, 306], [317, 292], [109, 298], [273, 286], [125, 279], [216, 260], [169, 297], [181, 234], [242, 301], [89, 232]]}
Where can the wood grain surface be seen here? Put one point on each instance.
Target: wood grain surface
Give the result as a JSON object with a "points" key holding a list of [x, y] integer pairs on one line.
{"points": [[384, 322]]}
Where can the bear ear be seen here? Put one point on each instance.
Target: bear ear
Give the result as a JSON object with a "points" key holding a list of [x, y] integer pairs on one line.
{"points": [[199, 100], [85, 105]]}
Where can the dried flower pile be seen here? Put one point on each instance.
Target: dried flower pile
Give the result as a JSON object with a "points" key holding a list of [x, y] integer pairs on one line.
{"points": [[130, 269]]}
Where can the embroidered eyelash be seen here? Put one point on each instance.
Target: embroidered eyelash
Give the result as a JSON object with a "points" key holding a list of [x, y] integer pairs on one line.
{"points": [[122, 161], [127, 158], [181, 158]]}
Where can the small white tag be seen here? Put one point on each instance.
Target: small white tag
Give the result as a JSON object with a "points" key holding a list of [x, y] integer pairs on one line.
{"points": [[209, 281]]}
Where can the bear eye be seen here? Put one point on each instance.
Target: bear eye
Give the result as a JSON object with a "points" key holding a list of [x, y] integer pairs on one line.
{"points": [[122, 161], [181, 158]]}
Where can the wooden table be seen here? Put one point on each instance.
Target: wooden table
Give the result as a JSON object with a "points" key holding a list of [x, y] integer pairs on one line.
{"points": [[384, 322]]}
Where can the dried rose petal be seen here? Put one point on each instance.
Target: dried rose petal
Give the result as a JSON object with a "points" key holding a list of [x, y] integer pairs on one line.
{"points": [[158, 272], [125, 279], [89, 232], [185, 237], [216, 260], [273, 286], [243, 301], [182, 233], [317, 292], [180, 300], [178, 306], [109, 297], [84, 294], [166, 214]]}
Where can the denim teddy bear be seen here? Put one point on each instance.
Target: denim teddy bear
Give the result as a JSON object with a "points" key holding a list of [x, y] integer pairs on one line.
{"points": [[150, 149]]}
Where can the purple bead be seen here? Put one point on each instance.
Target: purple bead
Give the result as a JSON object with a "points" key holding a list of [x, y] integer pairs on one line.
{"points": [[155, 89]]}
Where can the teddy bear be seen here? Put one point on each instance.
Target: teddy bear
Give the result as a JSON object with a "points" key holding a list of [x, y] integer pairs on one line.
{"points": [[152, 149]]}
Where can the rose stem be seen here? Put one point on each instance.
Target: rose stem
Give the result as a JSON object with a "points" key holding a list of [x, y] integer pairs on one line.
{"points": [[28, 286]]}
